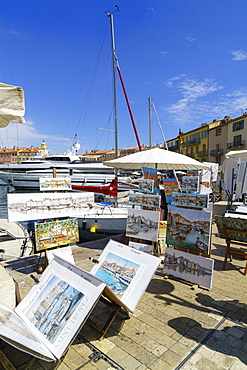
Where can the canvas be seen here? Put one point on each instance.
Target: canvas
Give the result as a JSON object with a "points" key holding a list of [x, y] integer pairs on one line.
{"points": [[187, 266], [142, 224], [56, 233], [189, 229], [146, 186], [126, 271], [190, 200], [190, 183], [54, 184], [151, 173], [65, 253], [141, 247], [46, 321], [35, 206], [170, 186], [144, 200]]}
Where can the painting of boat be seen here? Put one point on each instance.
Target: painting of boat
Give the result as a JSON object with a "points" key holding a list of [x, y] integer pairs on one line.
{"points": [[189, 229]]}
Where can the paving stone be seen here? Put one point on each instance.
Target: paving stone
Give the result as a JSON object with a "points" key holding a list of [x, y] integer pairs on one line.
{"points": [[129, 362], [171, 358], [159, 364], [205, 364], [223, 360], [146, 357], [238, 365], [236, 332]]}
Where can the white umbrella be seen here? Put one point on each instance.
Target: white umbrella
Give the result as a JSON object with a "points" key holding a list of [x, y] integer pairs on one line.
{"points": [[160, 159]]}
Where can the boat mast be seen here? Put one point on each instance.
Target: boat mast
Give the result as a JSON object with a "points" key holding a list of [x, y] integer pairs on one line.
{"points": [[150, 100], [114, 65]]}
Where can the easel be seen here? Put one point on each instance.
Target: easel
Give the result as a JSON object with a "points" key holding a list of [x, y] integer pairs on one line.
{"points": [[116, 305]]}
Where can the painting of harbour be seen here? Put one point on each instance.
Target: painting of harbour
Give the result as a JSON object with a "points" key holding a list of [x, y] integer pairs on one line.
{"points": [[190, 200], [142, 224], [189, 229], [117, 272], [187, 266], [170, 186], [146, 186], [141, 247], [34, 206], [145, 200], [50, 312], [190, 183]]}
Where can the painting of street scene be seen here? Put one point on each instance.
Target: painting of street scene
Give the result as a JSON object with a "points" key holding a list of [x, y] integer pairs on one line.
{"points": [[170, 186], [52, 309], [190, 183], [187, 266], [142, 224], [117, 272], [189, 229], [141, 247], [190, 200], [145, 200], [56, 233]]}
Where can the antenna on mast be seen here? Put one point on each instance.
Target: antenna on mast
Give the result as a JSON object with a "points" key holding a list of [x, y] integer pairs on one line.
{"points": [[116, 10]]}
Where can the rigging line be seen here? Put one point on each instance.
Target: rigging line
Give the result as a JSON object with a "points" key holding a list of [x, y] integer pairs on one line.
{"points": [[161, 129], [6, 51], [107, 125], [79, 95], [92, 79]]}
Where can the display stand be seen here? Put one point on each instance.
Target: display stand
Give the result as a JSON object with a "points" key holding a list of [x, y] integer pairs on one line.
{"points": [[115, 307]]}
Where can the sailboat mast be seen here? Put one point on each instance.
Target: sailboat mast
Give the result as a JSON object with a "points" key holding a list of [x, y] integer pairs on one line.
{"points": [[114, 65], [150, 100]]}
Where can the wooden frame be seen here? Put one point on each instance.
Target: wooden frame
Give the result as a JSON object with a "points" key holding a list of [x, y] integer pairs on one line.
{"points": [[235, 251]]}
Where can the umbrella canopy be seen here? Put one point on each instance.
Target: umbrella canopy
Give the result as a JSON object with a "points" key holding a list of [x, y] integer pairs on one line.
{"points": [[12, 106], [160, 159]]}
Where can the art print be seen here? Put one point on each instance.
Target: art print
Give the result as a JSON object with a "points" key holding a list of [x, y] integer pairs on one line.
{"points": [[190, 183], [170, 186], [35, 206], [117, 272], [53, 307], [56, 233], [146, 186], [142, 224], [144, 200], [151, 173], [190, 200], [141, 246], [189, 229], [54, 183], [187, 266]]}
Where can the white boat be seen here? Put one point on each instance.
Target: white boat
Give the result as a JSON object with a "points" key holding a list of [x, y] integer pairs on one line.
{"points": [[26, 175]]}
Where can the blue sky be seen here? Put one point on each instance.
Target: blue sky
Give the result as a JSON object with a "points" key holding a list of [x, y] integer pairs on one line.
{"points": [[190, 56]]}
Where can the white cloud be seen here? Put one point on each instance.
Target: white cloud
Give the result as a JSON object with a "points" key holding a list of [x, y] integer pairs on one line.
{"points": [[190, 38], [238, 55], [169, 83], [152, 9], [163, 53], [25, 135]]}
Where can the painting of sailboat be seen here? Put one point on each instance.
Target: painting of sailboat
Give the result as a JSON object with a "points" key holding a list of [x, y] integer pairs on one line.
{"points": [[189, 229]]}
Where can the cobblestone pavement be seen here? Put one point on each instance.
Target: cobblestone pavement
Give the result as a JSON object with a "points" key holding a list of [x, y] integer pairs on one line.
{"points": [[174, 326]]}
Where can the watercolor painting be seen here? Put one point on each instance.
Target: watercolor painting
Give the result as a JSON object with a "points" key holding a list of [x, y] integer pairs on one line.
{"points": [[189, 229], [146, 186], [170, 186], [187, 266], [144, 200], [54, 184], [190, 200], [50, 311], [190, 183], [142, 224], [148, 248], [117, 272], [56, 233]]}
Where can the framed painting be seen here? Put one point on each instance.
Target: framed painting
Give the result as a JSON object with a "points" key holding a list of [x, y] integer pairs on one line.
{"points": [[144, 200], [187, 266], [190, 183], [190, 200], [189, 229], [54, 184], [142, 224]]}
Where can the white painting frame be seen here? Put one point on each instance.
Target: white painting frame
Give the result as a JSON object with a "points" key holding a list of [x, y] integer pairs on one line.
{"points": [[144, 266], [55, 183]]}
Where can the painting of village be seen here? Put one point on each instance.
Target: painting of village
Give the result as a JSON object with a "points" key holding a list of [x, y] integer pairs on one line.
{"points": [[170, 186], [151, 173], [142, 224], [35, 206], [146, 186], [56, 233], [50, 314], [145, 200], [52, 184], [189, 229], [187, 266], [190, 200], [190, 183], [117, 272]]}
